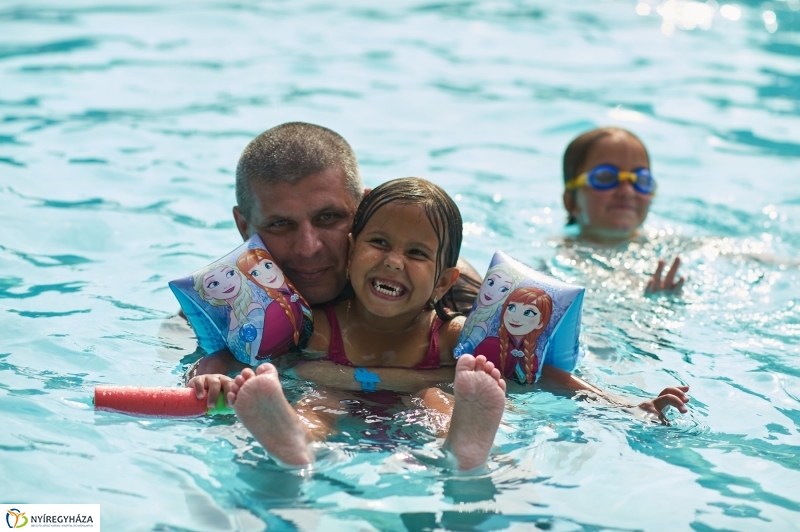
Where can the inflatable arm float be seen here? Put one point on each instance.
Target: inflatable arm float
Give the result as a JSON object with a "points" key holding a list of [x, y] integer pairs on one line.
{"points": [[523, 319]]}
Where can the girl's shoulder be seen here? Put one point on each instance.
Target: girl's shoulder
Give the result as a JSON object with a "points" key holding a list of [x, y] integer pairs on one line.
{"points": [[449, 332], [321, 338]]}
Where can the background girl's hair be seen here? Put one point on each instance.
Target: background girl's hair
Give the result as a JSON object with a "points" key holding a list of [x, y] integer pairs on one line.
{"points": [[240, 304], [528, 295], [442, 212], [247, 261], [577, 151]]}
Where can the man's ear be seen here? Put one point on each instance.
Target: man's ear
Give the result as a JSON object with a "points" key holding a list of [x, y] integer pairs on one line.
{"points": [[241, 223], [446, 281], [366, 192]]}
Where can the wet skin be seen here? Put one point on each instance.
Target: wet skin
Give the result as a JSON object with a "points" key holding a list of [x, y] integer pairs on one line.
{"points": [[305, 226]]}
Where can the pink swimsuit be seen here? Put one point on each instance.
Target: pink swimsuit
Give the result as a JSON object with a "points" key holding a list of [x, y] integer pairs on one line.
{"points": [[337, 355]]}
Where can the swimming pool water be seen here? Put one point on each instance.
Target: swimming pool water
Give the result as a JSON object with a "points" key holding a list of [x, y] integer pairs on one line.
{"points": [[120, 127]]}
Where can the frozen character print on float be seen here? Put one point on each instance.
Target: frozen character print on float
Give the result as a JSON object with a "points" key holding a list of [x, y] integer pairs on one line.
{"points": [[536, 321], [485, 320], [228, 307], [283, 302]]}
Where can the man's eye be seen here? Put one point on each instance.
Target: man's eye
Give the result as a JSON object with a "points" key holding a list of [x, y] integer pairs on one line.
{"points": [[279, 224], [327, 217]]}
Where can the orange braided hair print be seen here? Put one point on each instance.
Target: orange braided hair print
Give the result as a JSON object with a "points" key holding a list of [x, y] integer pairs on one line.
{"points": [[250, 259], [528, 295]]}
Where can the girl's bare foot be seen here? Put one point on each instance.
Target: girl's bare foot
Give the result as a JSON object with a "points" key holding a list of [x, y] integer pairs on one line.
{"points": [[257, 398], [480, 397]]}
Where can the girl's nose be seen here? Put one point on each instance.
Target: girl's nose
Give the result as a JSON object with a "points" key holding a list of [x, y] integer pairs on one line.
{"points": [[393, 262]]}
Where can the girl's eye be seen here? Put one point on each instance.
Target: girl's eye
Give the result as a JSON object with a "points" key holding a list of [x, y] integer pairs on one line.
{"points": [[268, 265], [490, 282], [229, 274], [213, 284], [255, 273], [418, 253], [504, 289], [529, 313], [379, 242], [512, 308]]}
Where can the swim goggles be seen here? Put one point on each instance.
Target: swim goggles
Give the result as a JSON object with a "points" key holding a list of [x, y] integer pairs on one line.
{"points": [[605, 177]]}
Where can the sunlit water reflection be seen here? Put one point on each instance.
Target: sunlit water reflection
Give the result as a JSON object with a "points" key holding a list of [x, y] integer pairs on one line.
{"points": [[120, 127]]}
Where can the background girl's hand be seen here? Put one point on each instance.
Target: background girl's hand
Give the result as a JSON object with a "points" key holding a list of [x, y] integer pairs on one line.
{"points": [[656, 284], [211, 386], [674, 396]]}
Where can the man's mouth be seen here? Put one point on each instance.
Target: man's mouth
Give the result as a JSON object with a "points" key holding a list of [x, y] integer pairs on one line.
{"points": [[308, 276], [388, 288]]}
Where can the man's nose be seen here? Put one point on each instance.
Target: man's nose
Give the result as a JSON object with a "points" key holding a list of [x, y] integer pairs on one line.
{"points": [[307, 240]]}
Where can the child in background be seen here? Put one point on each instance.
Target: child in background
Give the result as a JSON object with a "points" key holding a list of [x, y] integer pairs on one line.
{"points": [[608, 191]]}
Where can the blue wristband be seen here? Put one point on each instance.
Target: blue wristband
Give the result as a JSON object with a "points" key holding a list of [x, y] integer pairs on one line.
{"points": [[367, 379]]}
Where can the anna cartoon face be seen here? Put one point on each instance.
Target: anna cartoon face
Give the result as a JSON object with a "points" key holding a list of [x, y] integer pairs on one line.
{"points": [[222, 282], [494, 288], [266, 274], [521, 319]]}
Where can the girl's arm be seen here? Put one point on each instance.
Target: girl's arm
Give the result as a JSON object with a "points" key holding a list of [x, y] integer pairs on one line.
{"points": [[557, 379], [327, 373]]}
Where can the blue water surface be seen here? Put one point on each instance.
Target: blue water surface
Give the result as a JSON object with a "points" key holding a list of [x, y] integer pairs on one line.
{"points": [[120, 128]]}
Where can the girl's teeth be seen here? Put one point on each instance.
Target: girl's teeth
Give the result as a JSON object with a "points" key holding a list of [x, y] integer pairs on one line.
{"points": [[387, 289]]}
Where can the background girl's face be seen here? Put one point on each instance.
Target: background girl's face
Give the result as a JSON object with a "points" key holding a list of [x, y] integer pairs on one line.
{"points": [[494, 288], [620, 209], [222, 283], [521, 319], [267, 274]]}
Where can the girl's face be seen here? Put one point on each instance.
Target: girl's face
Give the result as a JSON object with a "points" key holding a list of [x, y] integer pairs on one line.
{"points": [[619, 211], [393, 262], [494, 288], [267, 274], [222, 283], [521, 318]]}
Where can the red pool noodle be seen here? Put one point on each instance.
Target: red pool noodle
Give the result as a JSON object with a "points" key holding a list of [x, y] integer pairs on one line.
{"points": [[154, 402]]}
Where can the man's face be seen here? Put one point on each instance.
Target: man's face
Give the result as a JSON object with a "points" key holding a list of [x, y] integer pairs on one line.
{"points": [[305, 228]]}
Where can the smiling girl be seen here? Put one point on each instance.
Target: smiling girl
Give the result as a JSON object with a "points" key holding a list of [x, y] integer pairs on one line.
{"points": [[404, 248]]}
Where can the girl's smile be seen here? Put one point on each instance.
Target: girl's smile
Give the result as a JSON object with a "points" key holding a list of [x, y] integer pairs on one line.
{"points": [[393, 262]]}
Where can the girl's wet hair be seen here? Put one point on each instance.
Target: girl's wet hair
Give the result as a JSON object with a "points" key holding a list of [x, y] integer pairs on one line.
{"points": [[578, 150], [442, 212]]}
